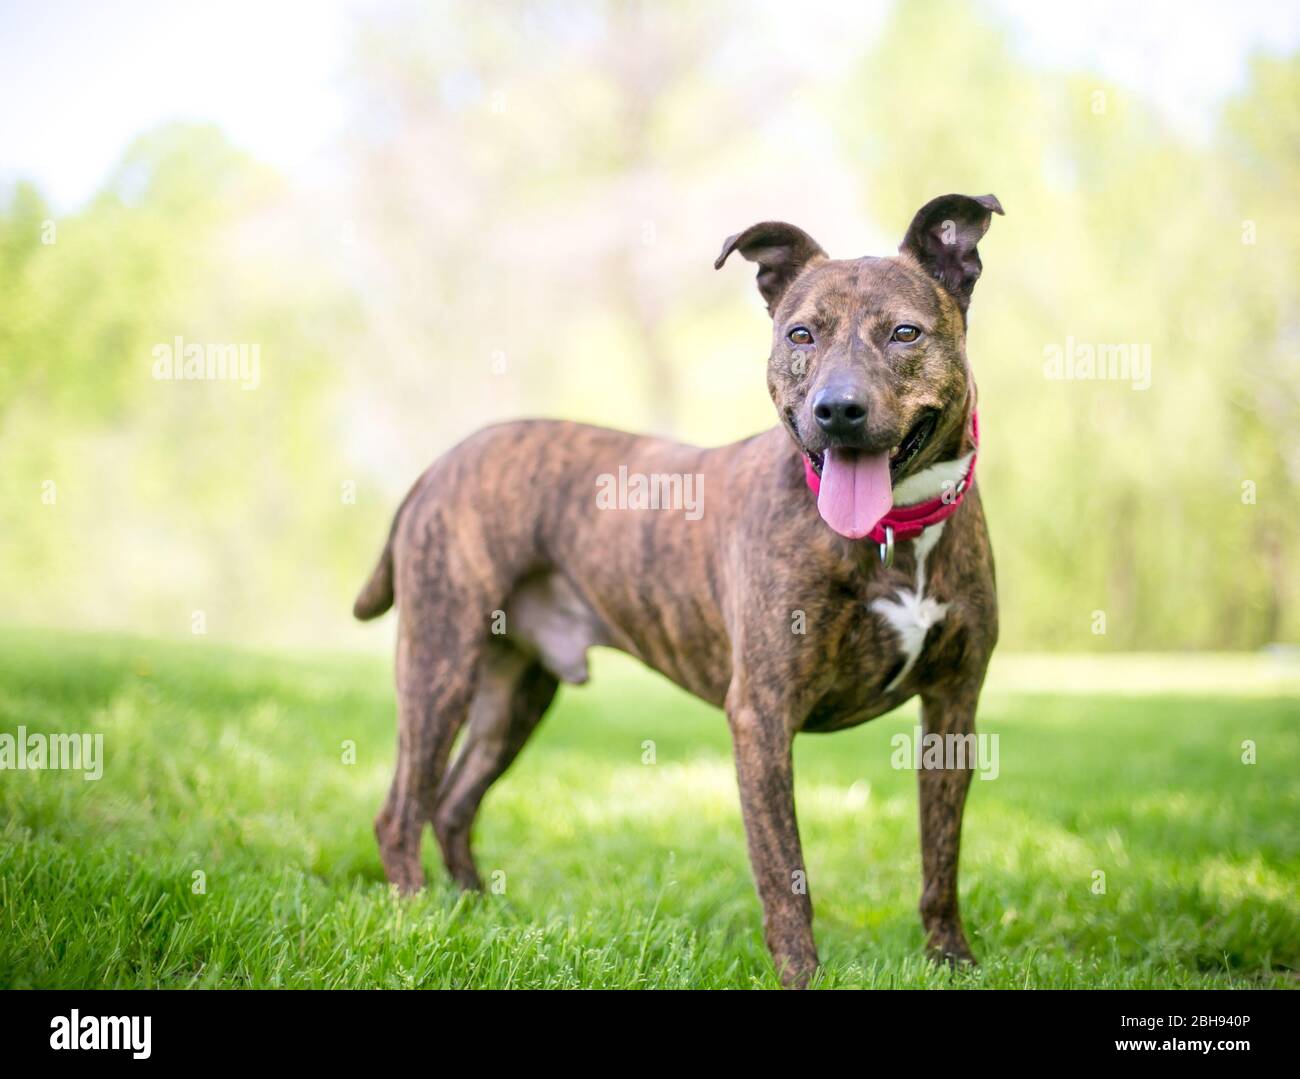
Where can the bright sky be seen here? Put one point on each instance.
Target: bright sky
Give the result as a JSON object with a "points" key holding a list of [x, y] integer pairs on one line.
{"points": [[80, 79]]}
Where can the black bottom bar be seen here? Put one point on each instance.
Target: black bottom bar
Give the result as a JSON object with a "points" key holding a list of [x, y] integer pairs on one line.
{"points": [[302, 1028]]}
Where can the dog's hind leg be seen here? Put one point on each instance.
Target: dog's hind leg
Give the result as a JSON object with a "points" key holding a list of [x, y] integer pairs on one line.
{"points": [[436, 674], [513, 693]]}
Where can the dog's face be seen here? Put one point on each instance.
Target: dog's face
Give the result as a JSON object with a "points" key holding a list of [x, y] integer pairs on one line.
{"points": [[868, 367]]}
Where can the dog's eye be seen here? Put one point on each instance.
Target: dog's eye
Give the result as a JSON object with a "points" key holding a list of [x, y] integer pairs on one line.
{"points": [[800, 335], [905, 333]]}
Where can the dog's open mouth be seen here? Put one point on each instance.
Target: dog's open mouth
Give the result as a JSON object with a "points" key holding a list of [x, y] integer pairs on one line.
{"points": [[856, 486]]}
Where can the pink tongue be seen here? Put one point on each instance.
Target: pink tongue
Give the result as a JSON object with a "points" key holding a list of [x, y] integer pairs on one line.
{"points": [[855, 491]]}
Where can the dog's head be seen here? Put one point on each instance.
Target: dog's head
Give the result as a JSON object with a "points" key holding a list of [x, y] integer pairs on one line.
{"points": [[868, 368]]}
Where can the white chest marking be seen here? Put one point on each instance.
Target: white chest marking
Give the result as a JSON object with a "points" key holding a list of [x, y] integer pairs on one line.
{"points": [[913, 613]]}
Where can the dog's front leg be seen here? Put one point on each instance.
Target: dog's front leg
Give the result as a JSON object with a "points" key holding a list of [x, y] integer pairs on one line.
{"points": [[765, 770], [943, 797]]}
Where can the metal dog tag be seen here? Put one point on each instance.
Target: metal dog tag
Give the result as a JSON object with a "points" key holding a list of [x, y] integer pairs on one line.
{"points": [[887, 548]]}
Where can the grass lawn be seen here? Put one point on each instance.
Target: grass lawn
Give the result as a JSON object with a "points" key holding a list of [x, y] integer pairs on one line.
{"points": [[619, 873]]}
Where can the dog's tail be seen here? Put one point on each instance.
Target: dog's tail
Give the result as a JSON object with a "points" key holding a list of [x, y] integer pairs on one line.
{"points": [[377, 595]]}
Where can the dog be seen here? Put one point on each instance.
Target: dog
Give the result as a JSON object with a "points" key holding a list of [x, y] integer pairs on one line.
{"points": [[840, 566]]}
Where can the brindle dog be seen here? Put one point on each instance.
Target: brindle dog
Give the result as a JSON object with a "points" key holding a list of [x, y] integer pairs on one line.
{"points": [[784, 617]]}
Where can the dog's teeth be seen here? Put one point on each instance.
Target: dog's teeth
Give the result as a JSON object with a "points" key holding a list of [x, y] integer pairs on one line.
{"points": [[894, 452]]}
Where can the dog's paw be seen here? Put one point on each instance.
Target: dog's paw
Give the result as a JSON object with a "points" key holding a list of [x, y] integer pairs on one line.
{"points": [[404, 879], [949, 948], [402, 869], [467, 879], [796, 971]]}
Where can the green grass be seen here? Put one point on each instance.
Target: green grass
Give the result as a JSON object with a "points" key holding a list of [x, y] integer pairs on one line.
{"points": [[624, 874]]}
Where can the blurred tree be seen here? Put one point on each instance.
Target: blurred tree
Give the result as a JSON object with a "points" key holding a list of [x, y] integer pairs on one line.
{"points": [[1261, 354], [528, 142], [131, 501]]}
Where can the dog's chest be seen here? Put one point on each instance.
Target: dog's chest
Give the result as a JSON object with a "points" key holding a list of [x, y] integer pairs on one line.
{"points": [[911, 611], [896, 625]]}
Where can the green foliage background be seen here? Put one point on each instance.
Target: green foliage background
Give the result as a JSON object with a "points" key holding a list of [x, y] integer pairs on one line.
{"points": [[529, 199]]}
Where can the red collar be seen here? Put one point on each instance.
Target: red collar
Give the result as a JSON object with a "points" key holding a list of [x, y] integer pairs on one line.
{"points": [[908, 522]]}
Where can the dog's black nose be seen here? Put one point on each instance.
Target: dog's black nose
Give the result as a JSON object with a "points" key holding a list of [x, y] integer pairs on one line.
{"points": [[840, 411]]}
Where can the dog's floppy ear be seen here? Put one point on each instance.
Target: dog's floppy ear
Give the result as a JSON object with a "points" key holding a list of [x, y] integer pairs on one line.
{"points": [[942, 238], [782, 252]]}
